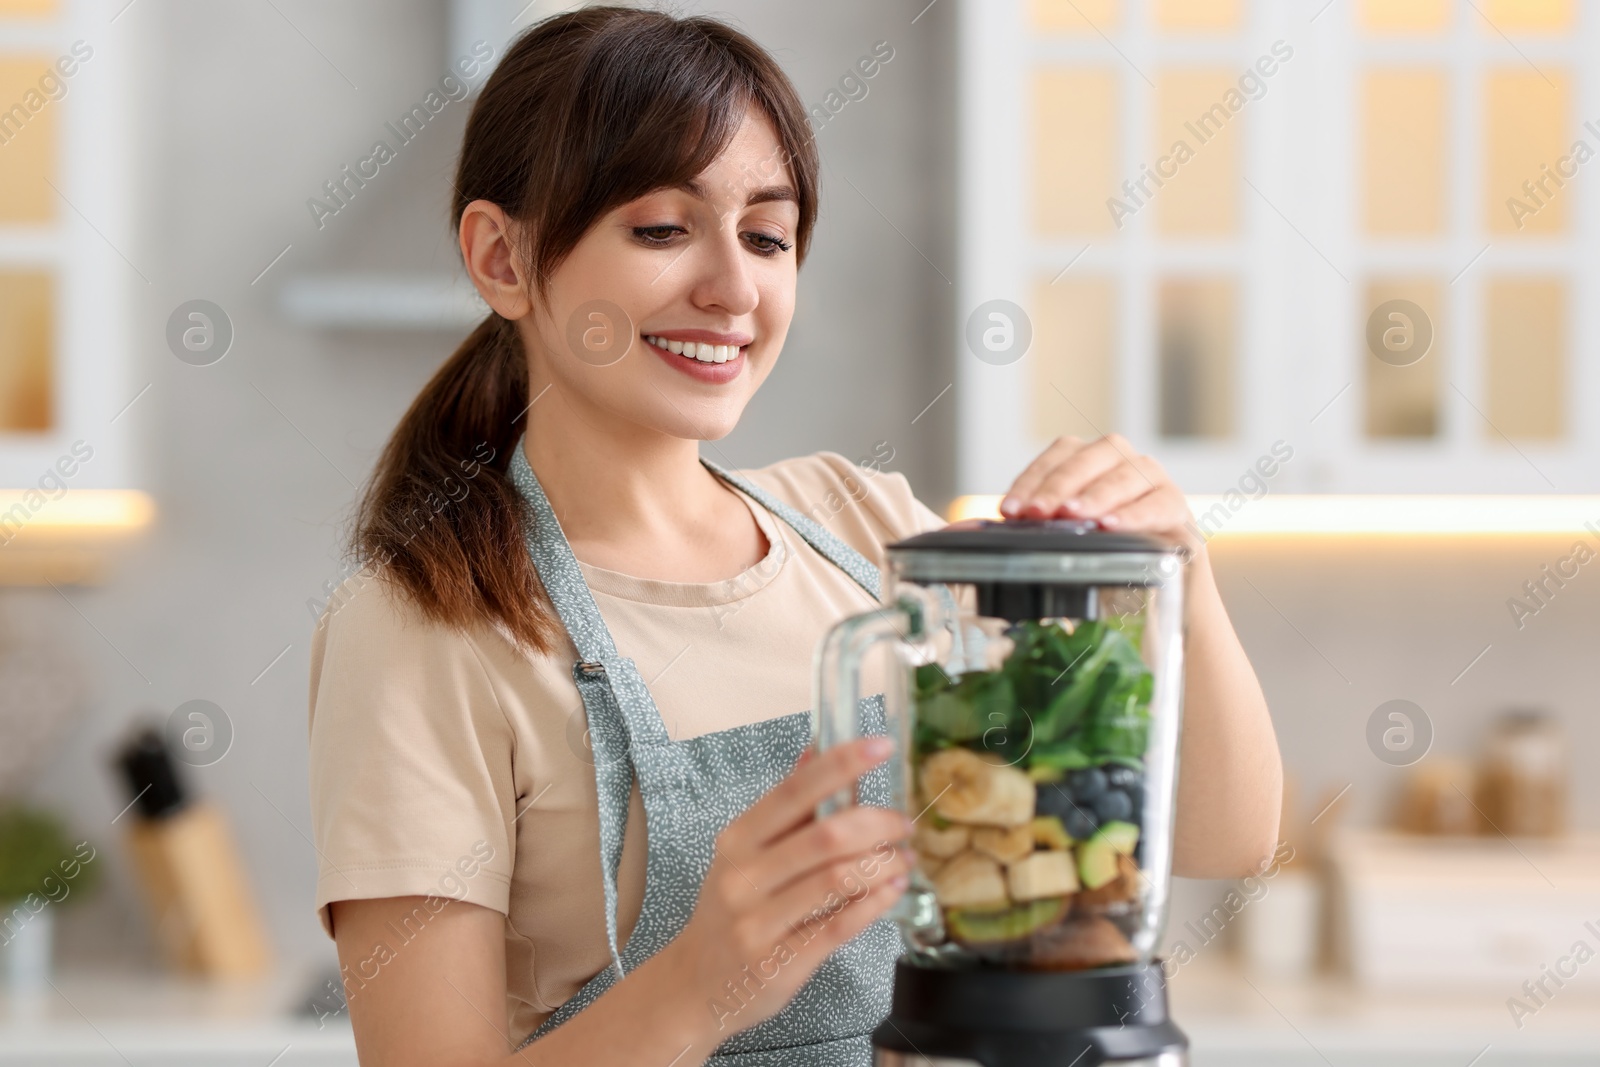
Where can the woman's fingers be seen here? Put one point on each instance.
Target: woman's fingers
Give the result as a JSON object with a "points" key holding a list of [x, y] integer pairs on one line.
{"points": [[827, 892], [1166, 510], [828, 934], [1106, 480], [845, 835], [1055, 489], [1122, 484], [1022, 490], [793, 801]]}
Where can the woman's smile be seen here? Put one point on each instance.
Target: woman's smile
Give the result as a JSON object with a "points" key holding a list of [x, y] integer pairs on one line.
{"points": [[702, 354]]}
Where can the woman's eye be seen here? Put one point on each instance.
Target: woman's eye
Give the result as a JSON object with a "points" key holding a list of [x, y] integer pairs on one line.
{"points": [[767, 244], [657, 235]]}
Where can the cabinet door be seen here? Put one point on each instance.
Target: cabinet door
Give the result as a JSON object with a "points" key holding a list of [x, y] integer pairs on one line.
{"points": [[67, 278], [1220, 226]]}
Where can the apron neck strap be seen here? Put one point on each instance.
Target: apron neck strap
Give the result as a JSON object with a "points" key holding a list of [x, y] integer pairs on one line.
{"points": [[832, 547], [558, 567], [559, 571]]}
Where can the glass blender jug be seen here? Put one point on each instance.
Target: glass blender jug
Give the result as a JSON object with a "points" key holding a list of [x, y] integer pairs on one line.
{"points": [[1034, 699]]}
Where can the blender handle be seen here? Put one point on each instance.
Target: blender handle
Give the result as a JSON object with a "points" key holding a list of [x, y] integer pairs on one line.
{"points": [[837, 684]]}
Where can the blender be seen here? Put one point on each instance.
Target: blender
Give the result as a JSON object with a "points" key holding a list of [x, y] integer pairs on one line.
{"points": [[1034, 696]]}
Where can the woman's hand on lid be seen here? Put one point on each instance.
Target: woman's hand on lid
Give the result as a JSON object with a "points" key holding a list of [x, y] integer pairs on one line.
{"points": [[785, 890], [1107, 481]]}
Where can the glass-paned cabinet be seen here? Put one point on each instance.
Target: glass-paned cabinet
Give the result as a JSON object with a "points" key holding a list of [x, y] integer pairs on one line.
{"points": [[1362, 228], [67, 468]]}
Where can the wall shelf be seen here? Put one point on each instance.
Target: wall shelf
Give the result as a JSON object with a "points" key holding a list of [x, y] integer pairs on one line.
{"points": [[355, 300]]}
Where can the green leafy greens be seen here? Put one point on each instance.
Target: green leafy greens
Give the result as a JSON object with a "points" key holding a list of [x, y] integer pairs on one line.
{"points": [[1062, 700]]}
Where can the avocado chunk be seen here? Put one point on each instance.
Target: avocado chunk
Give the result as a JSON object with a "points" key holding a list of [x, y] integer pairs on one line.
{"points": [[1123, 837], [1097, 857], [1097, 862], [975, 926]]}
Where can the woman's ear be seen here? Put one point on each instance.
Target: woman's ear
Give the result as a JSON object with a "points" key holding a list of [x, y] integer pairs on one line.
{"points": [[487, 236]]}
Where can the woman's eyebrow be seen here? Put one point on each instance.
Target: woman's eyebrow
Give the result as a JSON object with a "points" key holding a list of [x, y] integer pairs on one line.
{"points": [[766, 194]]}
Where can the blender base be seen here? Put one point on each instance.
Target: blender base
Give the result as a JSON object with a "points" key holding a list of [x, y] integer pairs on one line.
{"points": [[989, 1017], [888, 1058]]}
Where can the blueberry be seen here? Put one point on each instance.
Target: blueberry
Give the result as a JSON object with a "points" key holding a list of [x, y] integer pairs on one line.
{"points": [[1080, 824], [1088, 783], [1120, 777], [1135, 794], [1053, 798], [1113, 806], [1077, 816]]}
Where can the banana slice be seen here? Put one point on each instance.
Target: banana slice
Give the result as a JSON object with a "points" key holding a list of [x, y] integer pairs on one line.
{"points": [[970, 881], [929, 840], [965, 787], [1043, 874], [1007, 846], [929, 865]]}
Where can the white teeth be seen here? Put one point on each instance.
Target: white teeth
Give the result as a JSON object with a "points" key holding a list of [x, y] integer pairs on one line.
{"points": [[703, 352]]}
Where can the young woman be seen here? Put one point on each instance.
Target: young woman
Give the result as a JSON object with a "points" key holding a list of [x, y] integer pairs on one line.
{"points": [[557, 720]]}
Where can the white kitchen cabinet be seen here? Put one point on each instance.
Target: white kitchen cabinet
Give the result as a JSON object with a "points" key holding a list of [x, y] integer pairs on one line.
{"points": [[1227, 309], [69, 394]]}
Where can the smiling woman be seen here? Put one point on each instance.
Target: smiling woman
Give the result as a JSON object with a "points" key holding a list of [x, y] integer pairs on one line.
{"points": [[634, 197], [644, 106], [603, 650]]}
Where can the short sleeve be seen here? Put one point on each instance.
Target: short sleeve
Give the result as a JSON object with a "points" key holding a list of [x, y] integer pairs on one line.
{"points": [[898, 507], [412, 790], [867, 506]]}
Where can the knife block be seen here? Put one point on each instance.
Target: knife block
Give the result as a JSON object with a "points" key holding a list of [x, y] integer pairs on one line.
{"points": [[204, 915]]}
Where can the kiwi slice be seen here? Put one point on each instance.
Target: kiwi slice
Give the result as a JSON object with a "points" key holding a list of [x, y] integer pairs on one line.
{"points": [[984, 926]]}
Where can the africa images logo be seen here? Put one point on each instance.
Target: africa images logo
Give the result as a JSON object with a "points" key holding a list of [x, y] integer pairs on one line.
{"points": [[342, 189]]}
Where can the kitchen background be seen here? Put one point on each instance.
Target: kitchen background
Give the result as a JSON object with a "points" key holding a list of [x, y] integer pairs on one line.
{"points": [[1209, 317]]}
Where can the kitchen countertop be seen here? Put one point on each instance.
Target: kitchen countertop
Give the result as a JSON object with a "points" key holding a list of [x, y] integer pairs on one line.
{"points": [[153, 1020], [1237, 1020], [98, 1018]]}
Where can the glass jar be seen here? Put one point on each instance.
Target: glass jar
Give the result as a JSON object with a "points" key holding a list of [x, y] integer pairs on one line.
{"points": [[1522, 783]]}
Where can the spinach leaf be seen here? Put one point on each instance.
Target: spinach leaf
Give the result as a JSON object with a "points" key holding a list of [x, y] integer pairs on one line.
{"points": [[1062, 700], [1121, 723], [1076, 680], [967, 710]]}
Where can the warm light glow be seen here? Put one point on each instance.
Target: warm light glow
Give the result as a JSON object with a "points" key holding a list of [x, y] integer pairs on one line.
{"points": [[88, 510], [1288, 515]]}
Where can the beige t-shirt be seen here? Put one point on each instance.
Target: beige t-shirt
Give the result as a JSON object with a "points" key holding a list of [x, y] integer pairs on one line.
{"points": [[451, 764]]}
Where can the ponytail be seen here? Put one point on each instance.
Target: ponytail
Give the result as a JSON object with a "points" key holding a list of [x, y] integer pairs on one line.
{"points": [[440, 518]]}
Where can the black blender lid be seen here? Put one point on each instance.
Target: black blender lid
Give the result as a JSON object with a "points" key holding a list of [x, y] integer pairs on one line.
{"points": [[1035, 568], [1028, 535]]}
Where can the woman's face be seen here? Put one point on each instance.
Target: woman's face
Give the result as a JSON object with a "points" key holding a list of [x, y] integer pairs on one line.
{"points": [[708, 270]]}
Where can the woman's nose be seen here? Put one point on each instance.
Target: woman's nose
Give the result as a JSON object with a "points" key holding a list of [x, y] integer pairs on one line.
{"points": [[725, 280]]}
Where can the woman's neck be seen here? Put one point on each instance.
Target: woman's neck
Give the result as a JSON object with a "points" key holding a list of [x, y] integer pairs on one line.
{"points": [[635, 500]]}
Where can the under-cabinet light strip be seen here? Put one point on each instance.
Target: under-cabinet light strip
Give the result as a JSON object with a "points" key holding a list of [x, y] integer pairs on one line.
{"points": [[1377, 515], [22, 510]]}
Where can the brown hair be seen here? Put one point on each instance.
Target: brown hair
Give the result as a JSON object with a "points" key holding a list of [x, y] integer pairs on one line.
{"points": [[587, 111]]}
